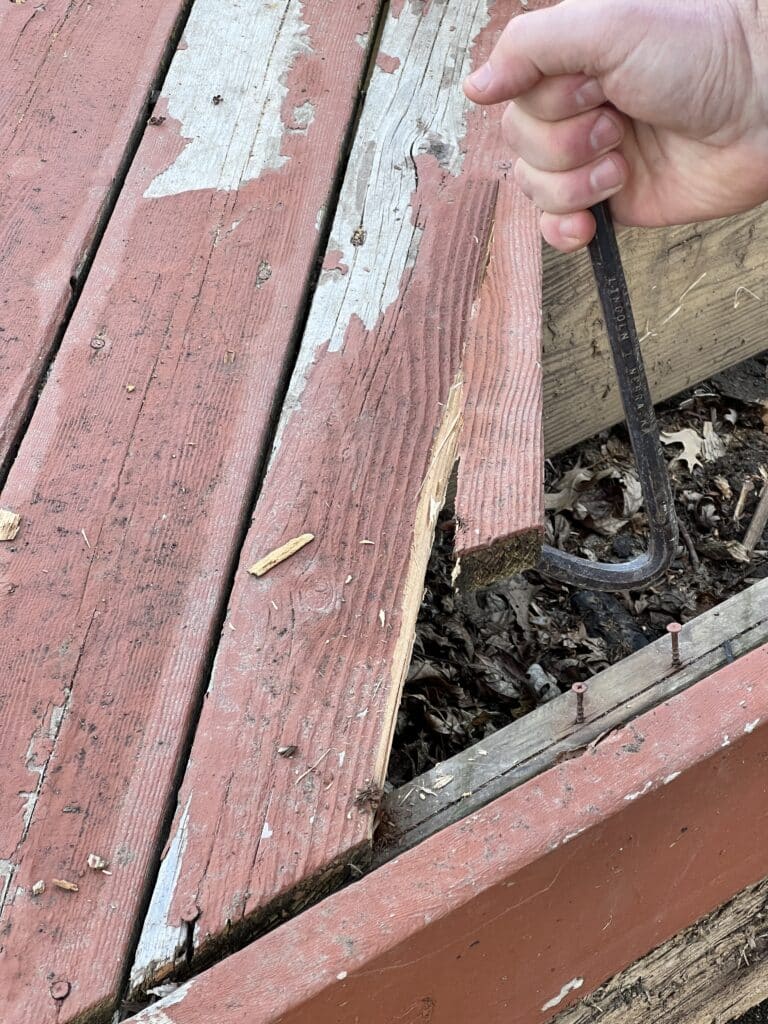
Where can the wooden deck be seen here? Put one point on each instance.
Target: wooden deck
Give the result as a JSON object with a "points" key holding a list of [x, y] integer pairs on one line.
{"points": [[263, 274]]}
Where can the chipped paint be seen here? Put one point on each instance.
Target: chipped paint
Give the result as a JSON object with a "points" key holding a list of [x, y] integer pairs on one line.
{"points": [[671, 778], [159, 938], [640, 792], [414, 109], [266, 832], [751, 726], [156, 1014], [570, 986], [241, 53]]}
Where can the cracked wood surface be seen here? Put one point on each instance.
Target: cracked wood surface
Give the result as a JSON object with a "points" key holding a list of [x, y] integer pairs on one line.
{"points": [[518, 911], [75, 82], [135, 478], [313, 654]]}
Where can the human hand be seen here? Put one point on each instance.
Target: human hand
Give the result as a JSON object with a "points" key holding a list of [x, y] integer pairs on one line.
{"points": [[660, 104]]}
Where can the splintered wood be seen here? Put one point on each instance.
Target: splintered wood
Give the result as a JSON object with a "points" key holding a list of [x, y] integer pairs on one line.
{"points": [[134, 478], [280, 554], [9, 524], [313, 656]]}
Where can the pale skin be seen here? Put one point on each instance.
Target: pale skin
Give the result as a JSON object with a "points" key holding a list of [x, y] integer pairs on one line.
{"points": [[660, 106]]}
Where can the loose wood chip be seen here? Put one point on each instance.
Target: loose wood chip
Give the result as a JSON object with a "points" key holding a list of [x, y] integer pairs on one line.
{"points": [[9, 524], [759, 522], [96, 862], [38, 888], [280, 554], [62, 883]]}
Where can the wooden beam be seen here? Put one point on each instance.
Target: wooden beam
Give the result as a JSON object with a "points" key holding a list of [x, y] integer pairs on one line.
{"points": [[134, 481], [314, 653], [500, 488], [714, 971], [521, 751], [533, 902], [76, 83], [700, 300]]}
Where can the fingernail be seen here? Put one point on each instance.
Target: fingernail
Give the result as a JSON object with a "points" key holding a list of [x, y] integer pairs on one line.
{"points": [[481, 78], [606, 176], [569, 229], [590, 94], [605, 134]]}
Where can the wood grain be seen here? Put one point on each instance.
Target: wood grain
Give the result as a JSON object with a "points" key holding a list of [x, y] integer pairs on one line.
{"points": [[75, 85], [513, 914], [521, 751], [500, 487], [714, 971], [314, 654], [700, 301], [135, 479]]}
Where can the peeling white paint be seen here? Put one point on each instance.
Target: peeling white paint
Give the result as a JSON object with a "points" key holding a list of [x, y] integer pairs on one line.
{"points": [[726, 741], [640, 792], [671, 778], [569, 987], [266, 832], [242, 53], [156, 1014], [159, 940], [419, 108], [571, 835], [751, 726], [7, 871]]}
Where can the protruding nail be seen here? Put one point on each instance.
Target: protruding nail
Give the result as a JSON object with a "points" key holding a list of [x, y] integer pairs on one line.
{"points": [[579, 689], [190, 913], [674, 629]]}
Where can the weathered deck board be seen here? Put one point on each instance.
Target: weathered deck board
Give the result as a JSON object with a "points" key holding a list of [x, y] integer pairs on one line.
{"points": [[712, 972], [500, 488], [135, 479], [313, 654], [75, 83], [700, 300], [510, 916], [521, 751]]}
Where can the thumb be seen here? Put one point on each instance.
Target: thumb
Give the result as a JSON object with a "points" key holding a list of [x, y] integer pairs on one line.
{"points": [[559, 40]]}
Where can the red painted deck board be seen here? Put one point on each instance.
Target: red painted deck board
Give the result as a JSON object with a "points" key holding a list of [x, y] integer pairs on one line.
{"points": [[528, 905], [135, 477], [75, 79], [500, 489], [313, 654]]}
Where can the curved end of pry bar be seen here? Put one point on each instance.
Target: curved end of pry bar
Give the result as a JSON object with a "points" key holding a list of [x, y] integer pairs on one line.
{"points": [[643, 432]]}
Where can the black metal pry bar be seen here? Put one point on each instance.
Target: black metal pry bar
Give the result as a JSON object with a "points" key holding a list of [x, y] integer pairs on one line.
{"points": [[643, 433]]}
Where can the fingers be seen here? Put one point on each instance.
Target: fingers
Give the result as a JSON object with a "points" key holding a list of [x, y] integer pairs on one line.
{"points": [[560, 40], [568, 233], [564, 192], [562, 145], [555, 99]]}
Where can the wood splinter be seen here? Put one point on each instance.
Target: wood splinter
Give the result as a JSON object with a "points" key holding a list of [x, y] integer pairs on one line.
{"points": [[280, 554], [9, 524]]}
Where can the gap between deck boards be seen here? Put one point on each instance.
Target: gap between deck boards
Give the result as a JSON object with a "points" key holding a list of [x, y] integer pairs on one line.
{"points": [[437, 799]]}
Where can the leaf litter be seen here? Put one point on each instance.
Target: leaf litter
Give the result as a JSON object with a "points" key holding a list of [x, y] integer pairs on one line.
{"points": [[481, 662]]}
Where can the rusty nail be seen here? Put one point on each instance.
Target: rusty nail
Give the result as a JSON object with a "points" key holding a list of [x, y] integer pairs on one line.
{"points": [[190, 913], [60, 989], [674, 629], [579, 689]]}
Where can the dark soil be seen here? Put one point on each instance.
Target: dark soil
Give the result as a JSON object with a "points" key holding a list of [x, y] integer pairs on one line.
{"points": [[478, 664]]}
